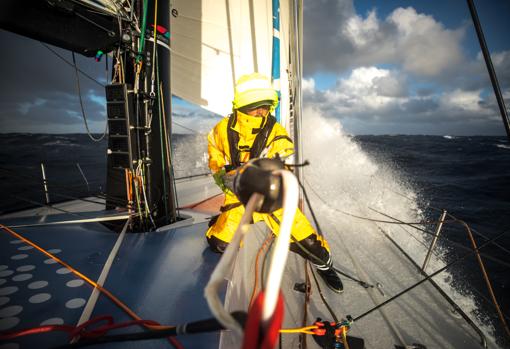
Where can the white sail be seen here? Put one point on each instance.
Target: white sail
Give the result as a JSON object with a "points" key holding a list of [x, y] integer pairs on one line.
{"points": [[215, 42]]}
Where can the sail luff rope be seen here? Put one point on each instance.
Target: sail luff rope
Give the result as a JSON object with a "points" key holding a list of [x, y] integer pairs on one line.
{"points": [[275, 56]]}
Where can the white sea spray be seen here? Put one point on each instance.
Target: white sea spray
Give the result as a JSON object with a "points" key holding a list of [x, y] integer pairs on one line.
{"points": [[349, 189]]}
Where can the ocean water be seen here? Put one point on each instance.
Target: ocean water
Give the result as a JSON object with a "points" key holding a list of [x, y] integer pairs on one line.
{"points": [[406, 177]]}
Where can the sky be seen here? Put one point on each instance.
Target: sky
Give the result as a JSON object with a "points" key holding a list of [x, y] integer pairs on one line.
{"points": [[380, 67]]}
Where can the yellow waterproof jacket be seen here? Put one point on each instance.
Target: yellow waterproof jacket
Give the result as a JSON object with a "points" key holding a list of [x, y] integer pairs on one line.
{"points": [[223, 151], [246, 130]]}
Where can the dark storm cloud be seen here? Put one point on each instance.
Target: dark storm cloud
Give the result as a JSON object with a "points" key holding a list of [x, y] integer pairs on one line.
{"points": [[39, 90], [420, 106], [321, 38]]}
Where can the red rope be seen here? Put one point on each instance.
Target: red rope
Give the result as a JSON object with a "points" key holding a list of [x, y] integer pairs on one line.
{"points": [[258, 335], [84, 330], [149, 324]]}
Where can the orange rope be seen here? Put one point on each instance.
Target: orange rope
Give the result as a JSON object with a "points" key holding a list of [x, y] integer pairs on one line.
{"points": [[255, 284], [91, 282], [485, 276], [306, 329]]}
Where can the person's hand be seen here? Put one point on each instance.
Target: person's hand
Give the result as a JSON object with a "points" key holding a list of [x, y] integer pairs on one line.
{"points": [[225, 180]]}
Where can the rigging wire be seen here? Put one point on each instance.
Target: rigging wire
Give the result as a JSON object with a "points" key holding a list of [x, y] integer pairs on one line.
{"points": [[83, 110], [187, 128], [485, 244], [488, 283], [35, 182], [411, 224], [459, 245], [441, 210], [72, 65]]}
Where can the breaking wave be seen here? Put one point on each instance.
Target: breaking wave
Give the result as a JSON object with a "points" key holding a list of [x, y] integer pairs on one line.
{"points": [[350, 190]]}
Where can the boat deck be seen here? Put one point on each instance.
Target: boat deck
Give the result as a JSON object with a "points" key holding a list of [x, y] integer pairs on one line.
{"points": [[159, 275]]}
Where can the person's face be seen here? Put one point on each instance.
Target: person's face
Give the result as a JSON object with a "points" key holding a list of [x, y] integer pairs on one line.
{"points": [[259, 111]]}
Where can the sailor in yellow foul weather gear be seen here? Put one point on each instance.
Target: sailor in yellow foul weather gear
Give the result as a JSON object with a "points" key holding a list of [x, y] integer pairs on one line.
{"points": [[252, 132]]}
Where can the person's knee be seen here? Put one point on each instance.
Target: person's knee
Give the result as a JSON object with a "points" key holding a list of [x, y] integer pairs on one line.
{"points": [[311, 248], [217, 245]]}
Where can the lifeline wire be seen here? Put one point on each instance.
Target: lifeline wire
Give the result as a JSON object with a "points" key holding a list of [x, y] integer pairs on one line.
{"points": [[411, 224], [427, 278]]}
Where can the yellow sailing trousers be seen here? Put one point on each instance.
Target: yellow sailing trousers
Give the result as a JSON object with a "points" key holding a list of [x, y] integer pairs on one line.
{"points": [[226, 224]]}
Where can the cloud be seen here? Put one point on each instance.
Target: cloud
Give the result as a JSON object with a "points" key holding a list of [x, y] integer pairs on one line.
{"points": [[39, 90], [422, 45], [372, 100], [25, 107]]}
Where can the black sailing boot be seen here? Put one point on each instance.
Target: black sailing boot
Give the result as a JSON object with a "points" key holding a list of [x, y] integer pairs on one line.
{"points": [[330, 277]]}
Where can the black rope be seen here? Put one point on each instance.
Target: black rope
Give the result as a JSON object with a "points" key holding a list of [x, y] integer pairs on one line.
{"points": [[208, 325]]}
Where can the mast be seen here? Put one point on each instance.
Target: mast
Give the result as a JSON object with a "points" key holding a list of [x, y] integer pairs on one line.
{"points": [[139, 166], [490, 67]]}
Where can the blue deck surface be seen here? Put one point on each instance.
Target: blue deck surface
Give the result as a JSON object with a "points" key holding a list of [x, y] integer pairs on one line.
{"points": [[159, 275]]}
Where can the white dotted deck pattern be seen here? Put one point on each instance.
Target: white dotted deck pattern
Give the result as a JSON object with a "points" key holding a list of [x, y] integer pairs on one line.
{"points": [[22, 277], [39, 298], [55, 250], [5, 291], [10, 311], [8, 323], [75, 283], [63, 271], [37, 285], [19, 256], [6, 272], [25, 268], [30, 280], [75, 303], [53, 321]]}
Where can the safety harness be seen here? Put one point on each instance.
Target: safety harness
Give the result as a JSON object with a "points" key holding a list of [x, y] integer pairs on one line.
{"points": [[258, 144], [255, 150]]}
